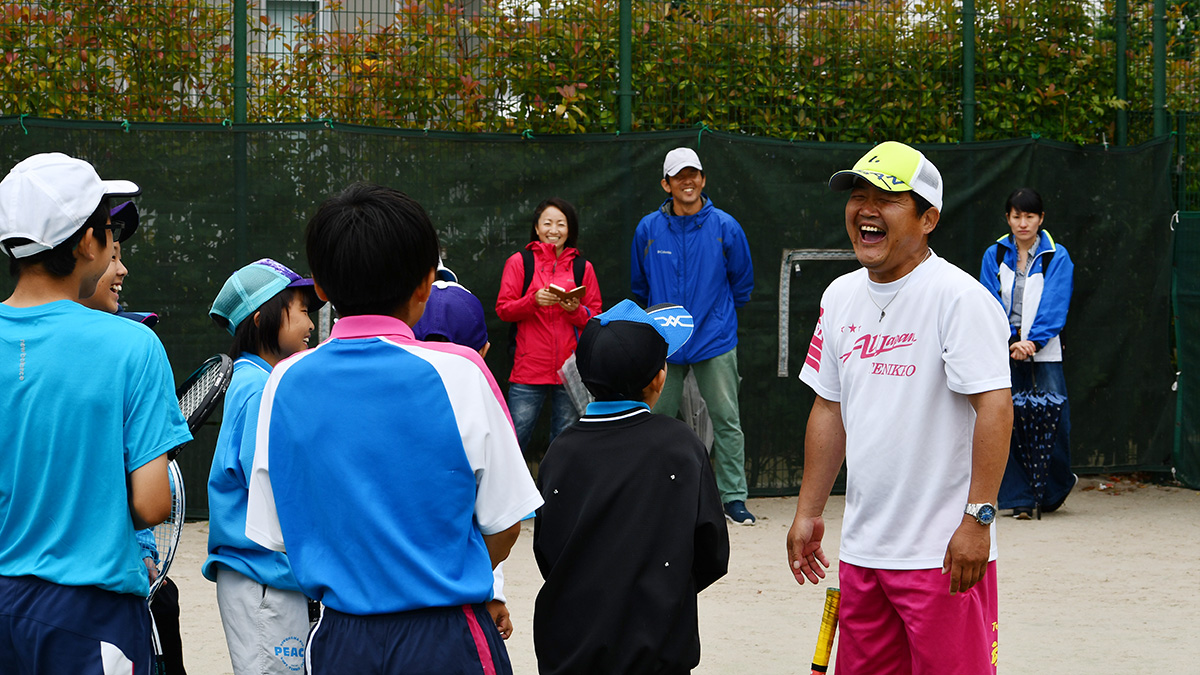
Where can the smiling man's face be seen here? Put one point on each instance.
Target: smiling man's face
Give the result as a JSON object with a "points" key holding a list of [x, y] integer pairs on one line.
{"points": [[685, 188], [888, 236]]}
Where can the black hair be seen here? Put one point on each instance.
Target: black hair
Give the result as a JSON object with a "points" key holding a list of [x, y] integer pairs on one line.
{"points": [[921, 203], [370, 247], [668, 178], [263, 337], [568, 211], [1025, 200], [60, 260]]}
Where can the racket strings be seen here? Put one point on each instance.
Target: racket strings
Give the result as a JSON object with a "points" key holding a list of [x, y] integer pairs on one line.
{"points": [[196, 394], [168, 532], [164, 535]]}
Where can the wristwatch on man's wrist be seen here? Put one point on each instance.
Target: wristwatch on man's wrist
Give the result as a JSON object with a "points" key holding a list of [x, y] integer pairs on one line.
{"points": [[984, 514]]}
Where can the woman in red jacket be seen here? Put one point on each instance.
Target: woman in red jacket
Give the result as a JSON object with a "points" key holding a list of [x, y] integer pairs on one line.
{"points": [[547, 326]]}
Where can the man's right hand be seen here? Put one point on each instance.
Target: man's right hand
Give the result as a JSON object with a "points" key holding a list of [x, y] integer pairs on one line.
{"points": [[804, 549]]}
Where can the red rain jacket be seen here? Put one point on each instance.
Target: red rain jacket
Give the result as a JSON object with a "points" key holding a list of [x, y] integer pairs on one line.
{"points": [[546, 336]]}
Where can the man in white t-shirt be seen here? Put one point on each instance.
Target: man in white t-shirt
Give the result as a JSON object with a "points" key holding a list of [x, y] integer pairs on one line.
{"points": [[909, 363]]}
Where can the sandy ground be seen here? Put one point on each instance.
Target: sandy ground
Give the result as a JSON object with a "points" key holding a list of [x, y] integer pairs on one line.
{"points": [[1110, 583]]}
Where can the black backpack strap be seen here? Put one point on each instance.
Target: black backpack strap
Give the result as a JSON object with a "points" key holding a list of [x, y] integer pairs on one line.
{"points": [[527, 261], [580, 266]]}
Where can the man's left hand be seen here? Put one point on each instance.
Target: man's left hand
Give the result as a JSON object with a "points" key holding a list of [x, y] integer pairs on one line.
{"points": [[967, 555]]}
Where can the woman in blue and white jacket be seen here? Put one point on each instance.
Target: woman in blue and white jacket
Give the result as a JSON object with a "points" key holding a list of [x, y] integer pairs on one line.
{"points": [[1032, 277]]}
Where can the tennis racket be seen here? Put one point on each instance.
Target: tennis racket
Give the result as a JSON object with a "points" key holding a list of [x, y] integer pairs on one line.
{"points": [[166, 533], [201, 392], [829, 620], [198, 396], [166, 540]]}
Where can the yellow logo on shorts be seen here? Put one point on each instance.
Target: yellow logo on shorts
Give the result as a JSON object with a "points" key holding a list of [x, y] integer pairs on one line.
{"points": [[995, 644]]}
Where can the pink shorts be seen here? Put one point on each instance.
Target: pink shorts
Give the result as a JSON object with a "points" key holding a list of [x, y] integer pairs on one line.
{"points": [[905, 622]]}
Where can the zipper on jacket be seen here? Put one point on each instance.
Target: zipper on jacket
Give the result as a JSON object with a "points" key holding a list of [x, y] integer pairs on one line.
{"points": [[553, 332], [1023, 329], [557, 347], [681, 278]]}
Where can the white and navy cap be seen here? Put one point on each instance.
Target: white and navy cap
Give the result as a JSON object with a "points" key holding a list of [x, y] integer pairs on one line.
{"points": [[620, 351], [47, 197]]}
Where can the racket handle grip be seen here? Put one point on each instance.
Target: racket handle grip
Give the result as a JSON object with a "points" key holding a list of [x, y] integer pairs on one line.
{"points": [[829, 620]]}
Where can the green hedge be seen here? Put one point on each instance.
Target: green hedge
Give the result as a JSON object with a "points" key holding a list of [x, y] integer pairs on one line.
{"points": [[784, 69]]}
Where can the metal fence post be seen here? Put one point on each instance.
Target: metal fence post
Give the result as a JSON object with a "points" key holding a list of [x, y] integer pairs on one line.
{"points": [[628, 214], [239, 61], [1181, 199], [968, 76], [1122, 71], [625, 68], [240, 174], [1160, 67]]}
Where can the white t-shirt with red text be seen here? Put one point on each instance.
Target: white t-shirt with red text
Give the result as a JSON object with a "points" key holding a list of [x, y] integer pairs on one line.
{"points": [[902, 381]]}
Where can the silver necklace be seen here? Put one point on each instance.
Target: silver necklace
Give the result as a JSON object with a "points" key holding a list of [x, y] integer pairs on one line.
{"points": [[882, 311]]}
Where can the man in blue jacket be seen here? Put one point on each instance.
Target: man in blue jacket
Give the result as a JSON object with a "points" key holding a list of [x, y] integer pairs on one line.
{"points": [[690, 253]]}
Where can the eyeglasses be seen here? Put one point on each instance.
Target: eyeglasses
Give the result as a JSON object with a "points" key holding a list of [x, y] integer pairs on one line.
{"points": [[117, 228]]}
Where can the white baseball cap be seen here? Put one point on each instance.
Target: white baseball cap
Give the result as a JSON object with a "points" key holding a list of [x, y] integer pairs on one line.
{"points": [[679, 159], [894, 167], [47, 197]]}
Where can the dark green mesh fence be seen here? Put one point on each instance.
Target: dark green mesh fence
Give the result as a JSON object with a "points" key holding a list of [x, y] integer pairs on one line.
{"points": [[215, 199], [1186, 297]]}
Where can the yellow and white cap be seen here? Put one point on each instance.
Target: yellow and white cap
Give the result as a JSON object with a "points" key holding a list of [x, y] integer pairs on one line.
{"points": [[894, 167]]}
